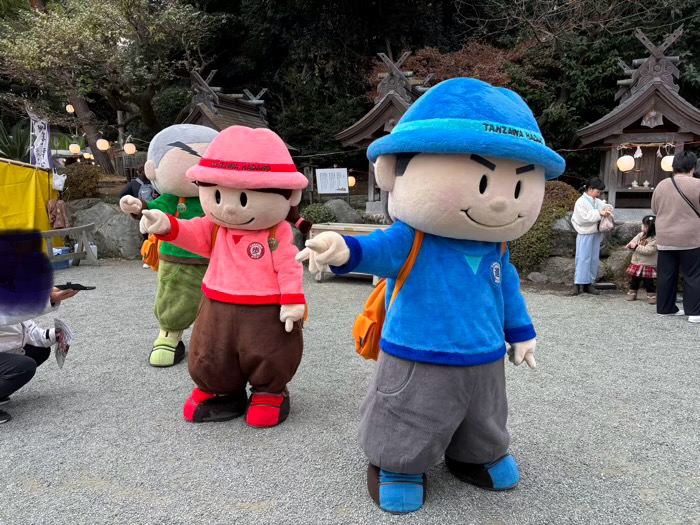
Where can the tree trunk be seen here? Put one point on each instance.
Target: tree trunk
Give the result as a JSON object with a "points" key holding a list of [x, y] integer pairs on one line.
{"points": [[88, 122], [562, 99], [38, 5], [148, 114]]}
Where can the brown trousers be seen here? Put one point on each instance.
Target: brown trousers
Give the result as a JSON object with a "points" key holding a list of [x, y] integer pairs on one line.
{"points": [[235, 344]]}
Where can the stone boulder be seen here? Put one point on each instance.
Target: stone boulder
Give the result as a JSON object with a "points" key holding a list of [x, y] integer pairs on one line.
{"points": [[563, 238], [559, 270], [538, 278], [625, 231], [74, 206], [343, 211], [616, 265], [116, 234], [605, 245]]}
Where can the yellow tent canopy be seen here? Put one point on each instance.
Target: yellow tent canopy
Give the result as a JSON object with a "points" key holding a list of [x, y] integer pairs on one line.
{"points": [[24, 192]]}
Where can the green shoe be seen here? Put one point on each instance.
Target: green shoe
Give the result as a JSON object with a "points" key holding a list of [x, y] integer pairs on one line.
{"points": [[164, 354]]}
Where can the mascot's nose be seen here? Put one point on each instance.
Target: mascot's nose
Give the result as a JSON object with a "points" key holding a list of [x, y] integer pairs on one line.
{"points": [[231, 209], [498, 204]]}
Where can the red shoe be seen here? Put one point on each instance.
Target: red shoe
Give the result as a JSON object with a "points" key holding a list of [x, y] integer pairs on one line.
{"points": [[267, 410], [203, 407]]}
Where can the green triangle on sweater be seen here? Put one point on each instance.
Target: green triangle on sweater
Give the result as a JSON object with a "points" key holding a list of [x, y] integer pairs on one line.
{"points": [[474, 262]]}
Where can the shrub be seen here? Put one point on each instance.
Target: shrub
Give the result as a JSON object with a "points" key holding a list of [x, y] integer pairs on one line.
{"points": [[533, 248], [318, 213], [82, 181]]}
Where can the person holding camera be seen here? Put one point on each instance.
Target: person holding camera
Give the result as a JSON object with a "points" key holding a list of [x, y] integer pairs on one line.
{"points": [[24, 346]]}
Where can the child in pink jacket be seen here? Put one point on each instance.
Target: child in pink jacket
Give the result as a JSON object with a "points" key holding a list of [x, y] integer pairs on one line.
{"points": [[249, 326]]}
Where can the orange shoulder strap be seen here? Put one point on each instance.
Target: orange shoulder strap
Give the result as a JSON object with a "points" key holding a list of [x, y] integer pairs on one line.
{"points": [[408, 265], [214, 232], [504, 247], [271, 232]]}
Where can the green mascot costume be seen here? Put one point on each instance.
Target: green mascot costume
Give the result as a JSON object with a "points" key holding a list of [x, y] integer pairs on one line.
{"points": [[171, 153]]}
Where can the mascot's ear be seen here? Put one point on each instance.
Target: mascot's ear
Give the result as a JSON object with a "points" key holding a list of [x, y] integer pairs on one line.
{"points": [[295, 199], [150, 170], [385, 172]]}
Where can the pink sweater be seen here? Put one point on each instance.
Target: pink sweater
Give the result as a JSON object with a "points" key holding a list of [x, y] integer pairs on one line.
{"points": [[242, 267]]}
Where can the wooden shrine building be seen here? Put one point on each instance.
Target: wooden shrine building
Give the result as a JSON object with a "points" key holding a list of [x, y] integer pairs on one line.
{"points": [[396, 92], [652, 116], [214, 109]]}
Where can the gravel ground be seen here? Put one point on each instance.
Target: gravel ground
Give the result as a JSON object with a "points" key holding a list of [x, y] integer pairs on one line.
{"points": [[605, 431]]}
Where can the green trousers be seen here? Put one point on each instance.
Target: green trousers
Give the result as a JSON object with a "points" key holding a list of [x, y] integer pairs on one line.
{"points": [[179, 294]]}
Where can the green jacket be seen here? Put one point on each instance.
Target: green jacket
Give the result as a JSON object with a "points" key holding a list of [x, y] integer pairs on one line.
{"points": [[193, 208]]}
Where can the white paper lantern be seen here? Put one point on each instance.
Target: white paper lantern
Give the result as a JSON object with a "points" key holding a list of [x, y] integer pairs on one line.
{"points": [[102, 145], [70, 109], [625, 163], [351, 181], [129, 148], [667, 163], [74, 148]]}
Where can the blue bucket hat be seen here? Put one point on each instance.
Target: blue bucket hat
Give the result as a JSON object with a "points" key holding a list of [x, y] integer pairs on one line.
{"points": [[464, 116]]}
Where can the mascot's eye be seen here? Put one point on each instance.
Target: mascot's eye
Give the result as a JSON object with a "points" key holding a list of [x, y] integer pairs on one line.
{"points": [[517, 190], [483, 184], [217, 196], [244, 199]]}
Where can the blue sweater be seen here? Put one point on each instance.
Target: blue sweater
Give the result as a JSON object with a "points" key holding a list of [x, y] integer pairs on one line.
{"points": [[459, 305]]}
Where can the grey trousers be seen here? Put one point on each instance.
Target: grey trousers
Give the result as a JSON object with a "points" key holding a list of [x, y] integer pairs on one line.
{"points": [[415, 413]]}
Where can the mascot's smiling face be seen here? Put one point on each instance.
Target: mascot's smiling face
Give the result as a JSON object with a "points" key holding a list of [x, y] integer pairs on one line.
{"points": [[242, 209], [462, 196]]}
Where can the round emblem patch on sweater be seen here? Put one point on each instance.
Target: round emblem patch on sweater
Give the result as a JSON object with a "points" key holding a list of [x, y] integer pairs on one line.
{"points": [[496, 272], [256, 250]]}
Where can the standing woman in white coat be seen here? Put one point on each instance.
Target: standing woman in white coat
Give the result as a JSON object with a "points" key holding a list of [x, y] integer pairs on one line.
{"points": [[588, 211]]}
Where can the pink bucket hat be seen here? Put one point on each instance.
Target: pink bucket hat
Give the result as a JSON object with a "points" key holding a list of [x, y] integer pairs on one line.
{"points": [[241, 157]]}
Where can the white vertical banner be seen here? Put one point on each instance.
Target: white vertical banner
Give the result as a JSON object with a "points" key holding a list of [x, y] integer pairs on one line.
{"points": [[332, 180], [40, 147]]}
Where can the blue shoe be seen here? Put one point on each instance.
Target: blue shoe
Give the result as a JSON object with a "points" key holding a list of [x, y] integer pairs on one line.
{"points": [[501, 474], [396, 493]]}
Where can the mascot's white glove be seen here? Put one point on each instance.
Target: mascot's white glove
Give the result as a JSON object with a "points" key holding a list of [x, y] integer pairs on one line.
{"points": [[289, 313], [154, 221], [130, 204], [523, 351], [327, 248]]}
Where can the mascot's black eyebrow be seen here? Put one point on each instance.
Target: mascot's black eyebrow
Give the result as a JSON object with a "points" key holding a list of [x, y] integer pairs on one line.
{"points": [[524, 169], [484, 162], [184, 147]]}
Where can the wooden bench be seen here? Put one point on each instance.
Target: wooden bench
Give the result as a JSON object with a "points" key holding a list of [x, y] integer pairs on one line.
{"points": [[352, 230], [83, 252]]}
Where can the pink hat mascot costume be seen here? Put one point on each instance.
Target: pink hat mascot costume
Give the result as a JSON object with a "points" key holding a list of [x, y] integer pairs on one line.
{"points": [[249, 329]]}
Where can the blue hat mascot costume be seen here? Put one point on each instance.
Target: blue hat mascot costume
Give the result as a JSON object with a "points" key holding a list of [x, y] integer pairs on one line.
{"points": [[465, 172]]}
